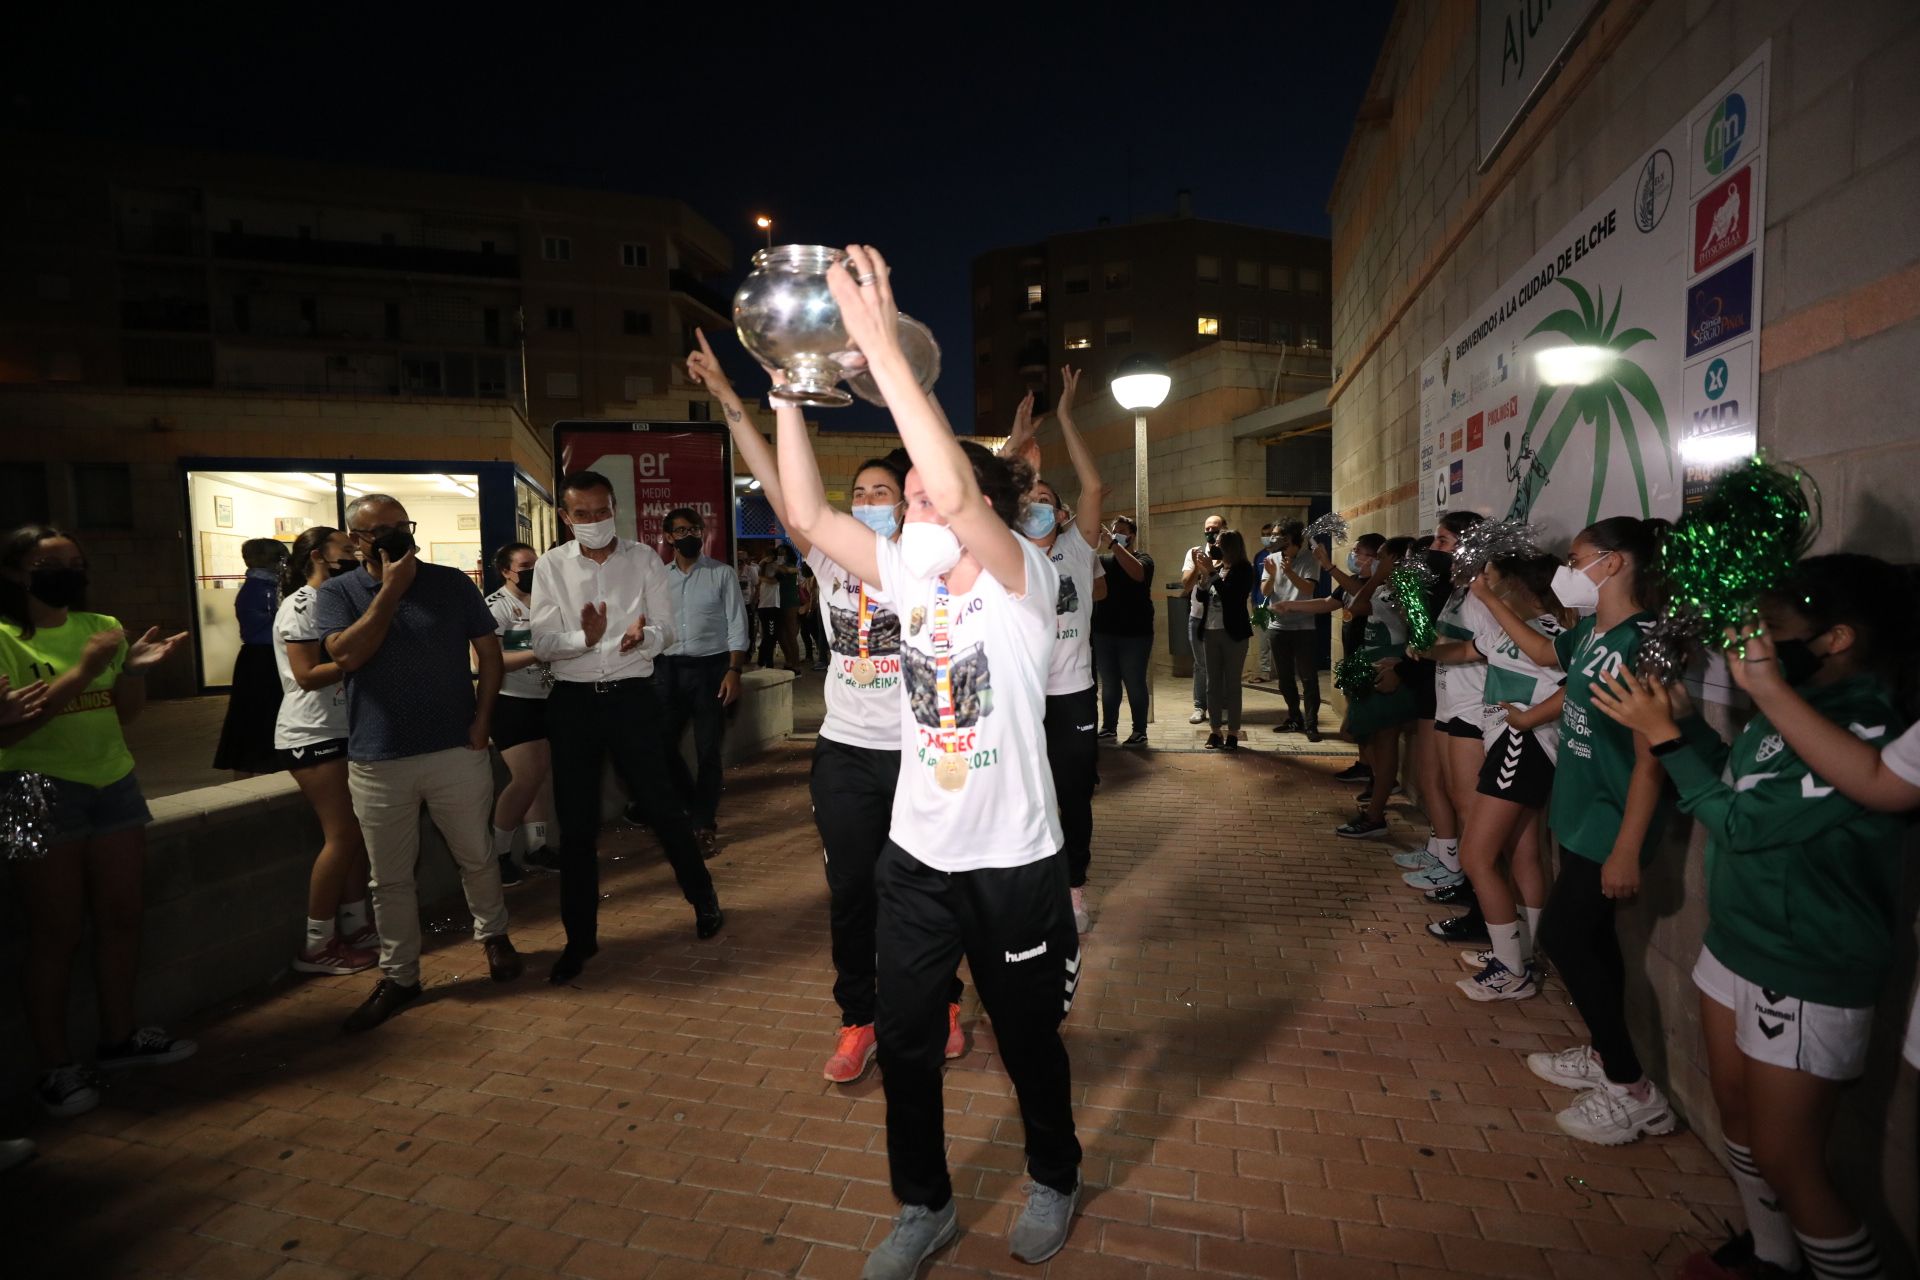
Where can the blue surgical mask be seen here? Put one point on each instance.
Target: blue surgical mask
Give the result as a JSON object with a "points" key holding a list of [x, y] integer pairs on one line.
{"points": [[1039, 520], [883, 520], [1353, 562]]}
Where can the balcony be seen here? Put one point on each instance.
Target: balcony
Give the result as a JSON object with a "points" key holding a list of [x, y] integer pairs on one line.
{"points": [[680, 280], [416, 259]]}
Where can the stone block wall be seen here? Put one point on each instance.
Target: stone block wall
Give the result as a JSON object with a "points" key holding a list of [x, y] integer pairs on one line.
{"points": [[1419, 237]]}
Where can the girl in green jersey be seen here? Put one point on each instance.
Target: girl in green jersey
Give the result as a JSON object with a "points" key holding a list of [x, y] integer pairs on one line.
{"points": [[1803, 887], [1606, 788]]}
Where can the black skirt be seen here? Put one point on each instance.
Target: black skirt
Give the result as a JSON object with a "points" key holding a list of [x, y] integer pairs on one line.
{"points": [[253, 704]]}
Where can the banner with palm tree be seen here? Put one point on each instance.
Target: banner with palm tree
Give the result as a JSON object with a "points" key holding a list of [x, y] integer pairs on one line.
{"points": [[1614, 373]]}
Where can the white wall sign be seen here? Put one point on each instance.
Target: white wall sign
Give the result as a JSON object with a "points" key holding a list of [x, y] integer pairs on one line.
{"points": [[1616, 372], [1522, 43]]}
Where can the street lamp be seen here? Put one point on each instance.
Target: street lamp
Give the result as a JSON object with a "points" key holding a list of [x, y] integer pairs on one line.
{"points": [[765, 224], [1140, 383]]}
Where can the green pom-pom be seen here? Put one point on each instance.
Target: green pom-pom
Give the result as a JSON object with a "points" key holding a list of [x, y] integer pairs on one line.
{"points": [[1750, 529], [1355, 675], [1412, 584]]}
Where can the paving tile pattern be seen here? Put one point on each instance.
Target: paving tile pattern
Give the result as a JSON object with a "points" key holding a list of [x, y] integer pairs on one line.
{"points": [[1274, 1077]]}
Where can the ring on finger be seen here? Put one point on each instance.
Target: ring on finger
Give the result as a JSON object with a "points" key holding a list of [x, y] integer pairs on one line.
{"points": [[868, 278]]}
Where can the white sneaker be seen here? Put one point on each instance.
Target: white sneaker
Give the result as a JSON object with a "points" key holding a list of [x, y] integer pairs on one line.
{"points": [[1575, 1068], [1497, 982], [1415, 860], [1475, 961], [1082, 921], [1611, 1117], [1199, 716]]}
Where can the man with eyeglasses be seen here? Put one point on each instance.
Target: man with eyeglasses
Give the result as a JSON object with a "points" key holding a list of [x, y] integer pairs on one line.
{"points": [[700, 674], [417, 733]]}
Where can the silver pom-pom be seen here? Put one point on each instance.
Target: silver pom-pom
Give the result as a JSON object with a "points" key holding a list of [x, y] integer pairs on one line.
{"points": [[1669, 644], [26, 815], [1492, 540], [1331, 526]]}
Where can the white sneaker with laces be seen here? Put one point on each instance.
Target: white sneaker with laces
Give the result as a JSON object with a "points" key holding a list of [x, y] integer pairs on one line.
{"points": [[1575, 1068], [1199, 716], [1497, 982], [1416, 860], [1611, 1117], [1474, 960]]}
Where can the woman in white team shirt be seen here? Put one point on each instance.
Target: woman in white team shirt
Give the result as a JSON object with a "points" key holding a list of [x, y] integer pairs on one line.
{"points": [[311, 733], [520, 719], [1073, 752], [856, 756], [971, 866]]}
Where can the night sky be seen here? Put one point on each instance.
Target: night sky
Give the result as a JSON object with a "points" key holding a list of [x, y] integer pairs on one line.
{"points": [[933, 140]]}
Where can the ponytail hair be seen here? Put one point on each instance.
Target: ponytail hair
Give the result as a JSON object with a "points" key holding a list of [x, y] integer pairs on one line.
{"points": [[293, 574], [1640, 541], [1004, 481]]}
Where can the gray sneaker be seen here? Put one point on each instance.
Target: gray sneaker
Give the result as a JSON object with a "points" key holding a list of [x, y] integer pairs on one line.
{"points": [[918, 1233], [1042, 1229]]}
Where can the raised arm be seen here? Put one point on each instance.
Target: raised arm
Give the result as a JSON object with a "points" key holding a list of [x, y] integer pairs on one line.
{"points": [[1025, 425], [1130, 564], [760, 460], [354, 645], [1093, 490], [873, 322], [845, 541]]}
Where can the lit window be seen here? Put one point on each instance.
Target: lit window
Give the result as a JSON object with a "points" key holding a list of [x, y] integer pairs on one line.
{"points": [[633, 255], [556, 248], [1078, 335], [1209, 327], [1036, 295], [1310, 335], [1207, 268]]}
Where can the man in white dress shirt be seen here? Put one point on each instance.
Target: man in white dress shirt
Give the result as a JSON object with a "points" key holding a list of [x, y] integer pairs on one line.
{"points": [[602, 611]]}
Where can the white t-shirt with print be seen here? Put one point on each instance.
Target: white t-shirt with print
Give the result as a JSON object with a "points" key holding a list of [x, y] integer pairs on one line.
{"points": [[1459, 687], [1196, 606], [307, 716], [1001, 649], [514, 623], [1074, 561], [1514, 677], [858, 715]]}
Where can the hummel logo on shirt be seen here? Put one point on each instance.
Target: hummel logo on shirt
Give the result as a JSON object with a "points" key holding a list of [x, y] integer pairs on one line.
{"points": [[1015, 957]]}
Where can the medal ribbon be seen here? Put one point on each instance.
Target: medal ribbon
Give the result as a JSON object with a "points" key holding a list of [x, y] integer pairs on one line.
{"points": [[866, 619], [942, 675]]}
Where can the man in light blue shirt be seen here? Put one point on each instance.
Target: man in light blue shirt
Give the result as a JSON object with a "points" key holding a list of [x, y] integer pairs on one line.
{"points": [[700, 674]]}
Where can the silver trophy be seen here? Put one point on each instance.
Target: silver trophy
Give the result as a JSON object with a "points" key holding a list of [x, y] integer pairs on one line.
{"points": [[787, 320]]}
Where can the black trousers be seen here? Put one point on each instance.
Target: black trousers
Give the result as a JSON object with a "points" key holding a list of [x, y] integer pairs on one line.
{"points": [[1121, 662], [586, 728], [1579, 935], [1296, 664], [769, 635], [1014, 925], [852, 791], [690, 688], [1073, 754]]}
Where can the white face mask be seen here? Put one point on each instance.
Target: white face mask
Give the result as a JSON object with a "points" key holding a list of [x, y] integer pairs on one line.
{"points": [[928, 549], [594, 534], [1121, 539], [1576, 589]]}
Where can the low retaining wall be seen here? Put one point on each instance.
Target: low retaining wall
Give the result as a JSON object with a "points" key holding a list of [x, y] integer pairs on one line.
{"points": [[226, 888]]}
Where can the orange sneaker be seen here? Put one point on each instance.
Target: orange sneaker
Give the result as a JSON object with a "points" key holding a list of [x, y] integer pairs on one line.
{"points": [[852, 1055], [956, 1038]]}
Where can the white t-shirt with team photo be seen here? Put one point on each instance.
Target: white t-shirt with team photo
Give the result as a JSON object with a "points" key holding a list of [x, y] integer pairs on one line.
{"points": [[1514, 677], [515, 627], [1078, 567], [858, 715], [1001, 648], [307, 716]]}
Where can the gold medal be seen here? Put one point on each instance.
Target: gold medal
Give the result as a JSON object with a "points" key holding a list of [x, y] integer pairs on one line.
{"points": [[863, 671], [951, 772]]}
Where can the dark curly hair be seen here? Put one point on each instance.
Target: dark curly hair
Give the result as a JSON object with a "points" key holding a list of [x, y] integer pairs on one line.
{"points": [[1004, 481]]}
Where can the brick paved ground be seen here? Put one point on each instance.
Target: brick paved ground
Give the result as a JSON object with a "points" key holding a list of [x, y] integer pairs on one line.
{"points": [[1275, 1078]]}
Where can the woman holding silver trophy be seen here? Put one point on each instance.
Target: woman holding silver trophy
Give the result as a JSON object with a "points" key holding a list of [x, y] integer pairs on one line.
{"points": [[971, 866]]}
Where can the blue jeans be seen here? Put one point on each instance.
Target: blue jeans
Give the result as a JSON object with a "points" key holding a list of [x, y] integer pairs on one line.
{"points": [[1121, 663]]}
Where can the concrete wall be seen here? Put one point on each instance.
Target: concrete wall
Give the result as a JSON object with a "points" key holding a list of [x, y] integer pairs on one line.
{"points": [[226, 886], [1419, 238]]}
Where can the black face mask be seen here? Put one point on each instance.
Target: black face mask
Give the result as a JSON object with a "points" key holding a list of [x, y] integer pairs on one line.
{"points": [[1213, 536], [347, 565], [396, 543], [1798, 662], [688, 546], [59, 588], [524, 580]]}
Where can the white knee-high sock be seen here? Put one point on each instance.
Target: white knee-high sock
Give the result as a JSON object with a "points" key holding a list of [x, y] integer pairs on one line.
{"points": [[502, 842], [1448, 851], [536, 835], [1850, 1257], [354, 917], [1773, 1239], [1506, 945]]}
